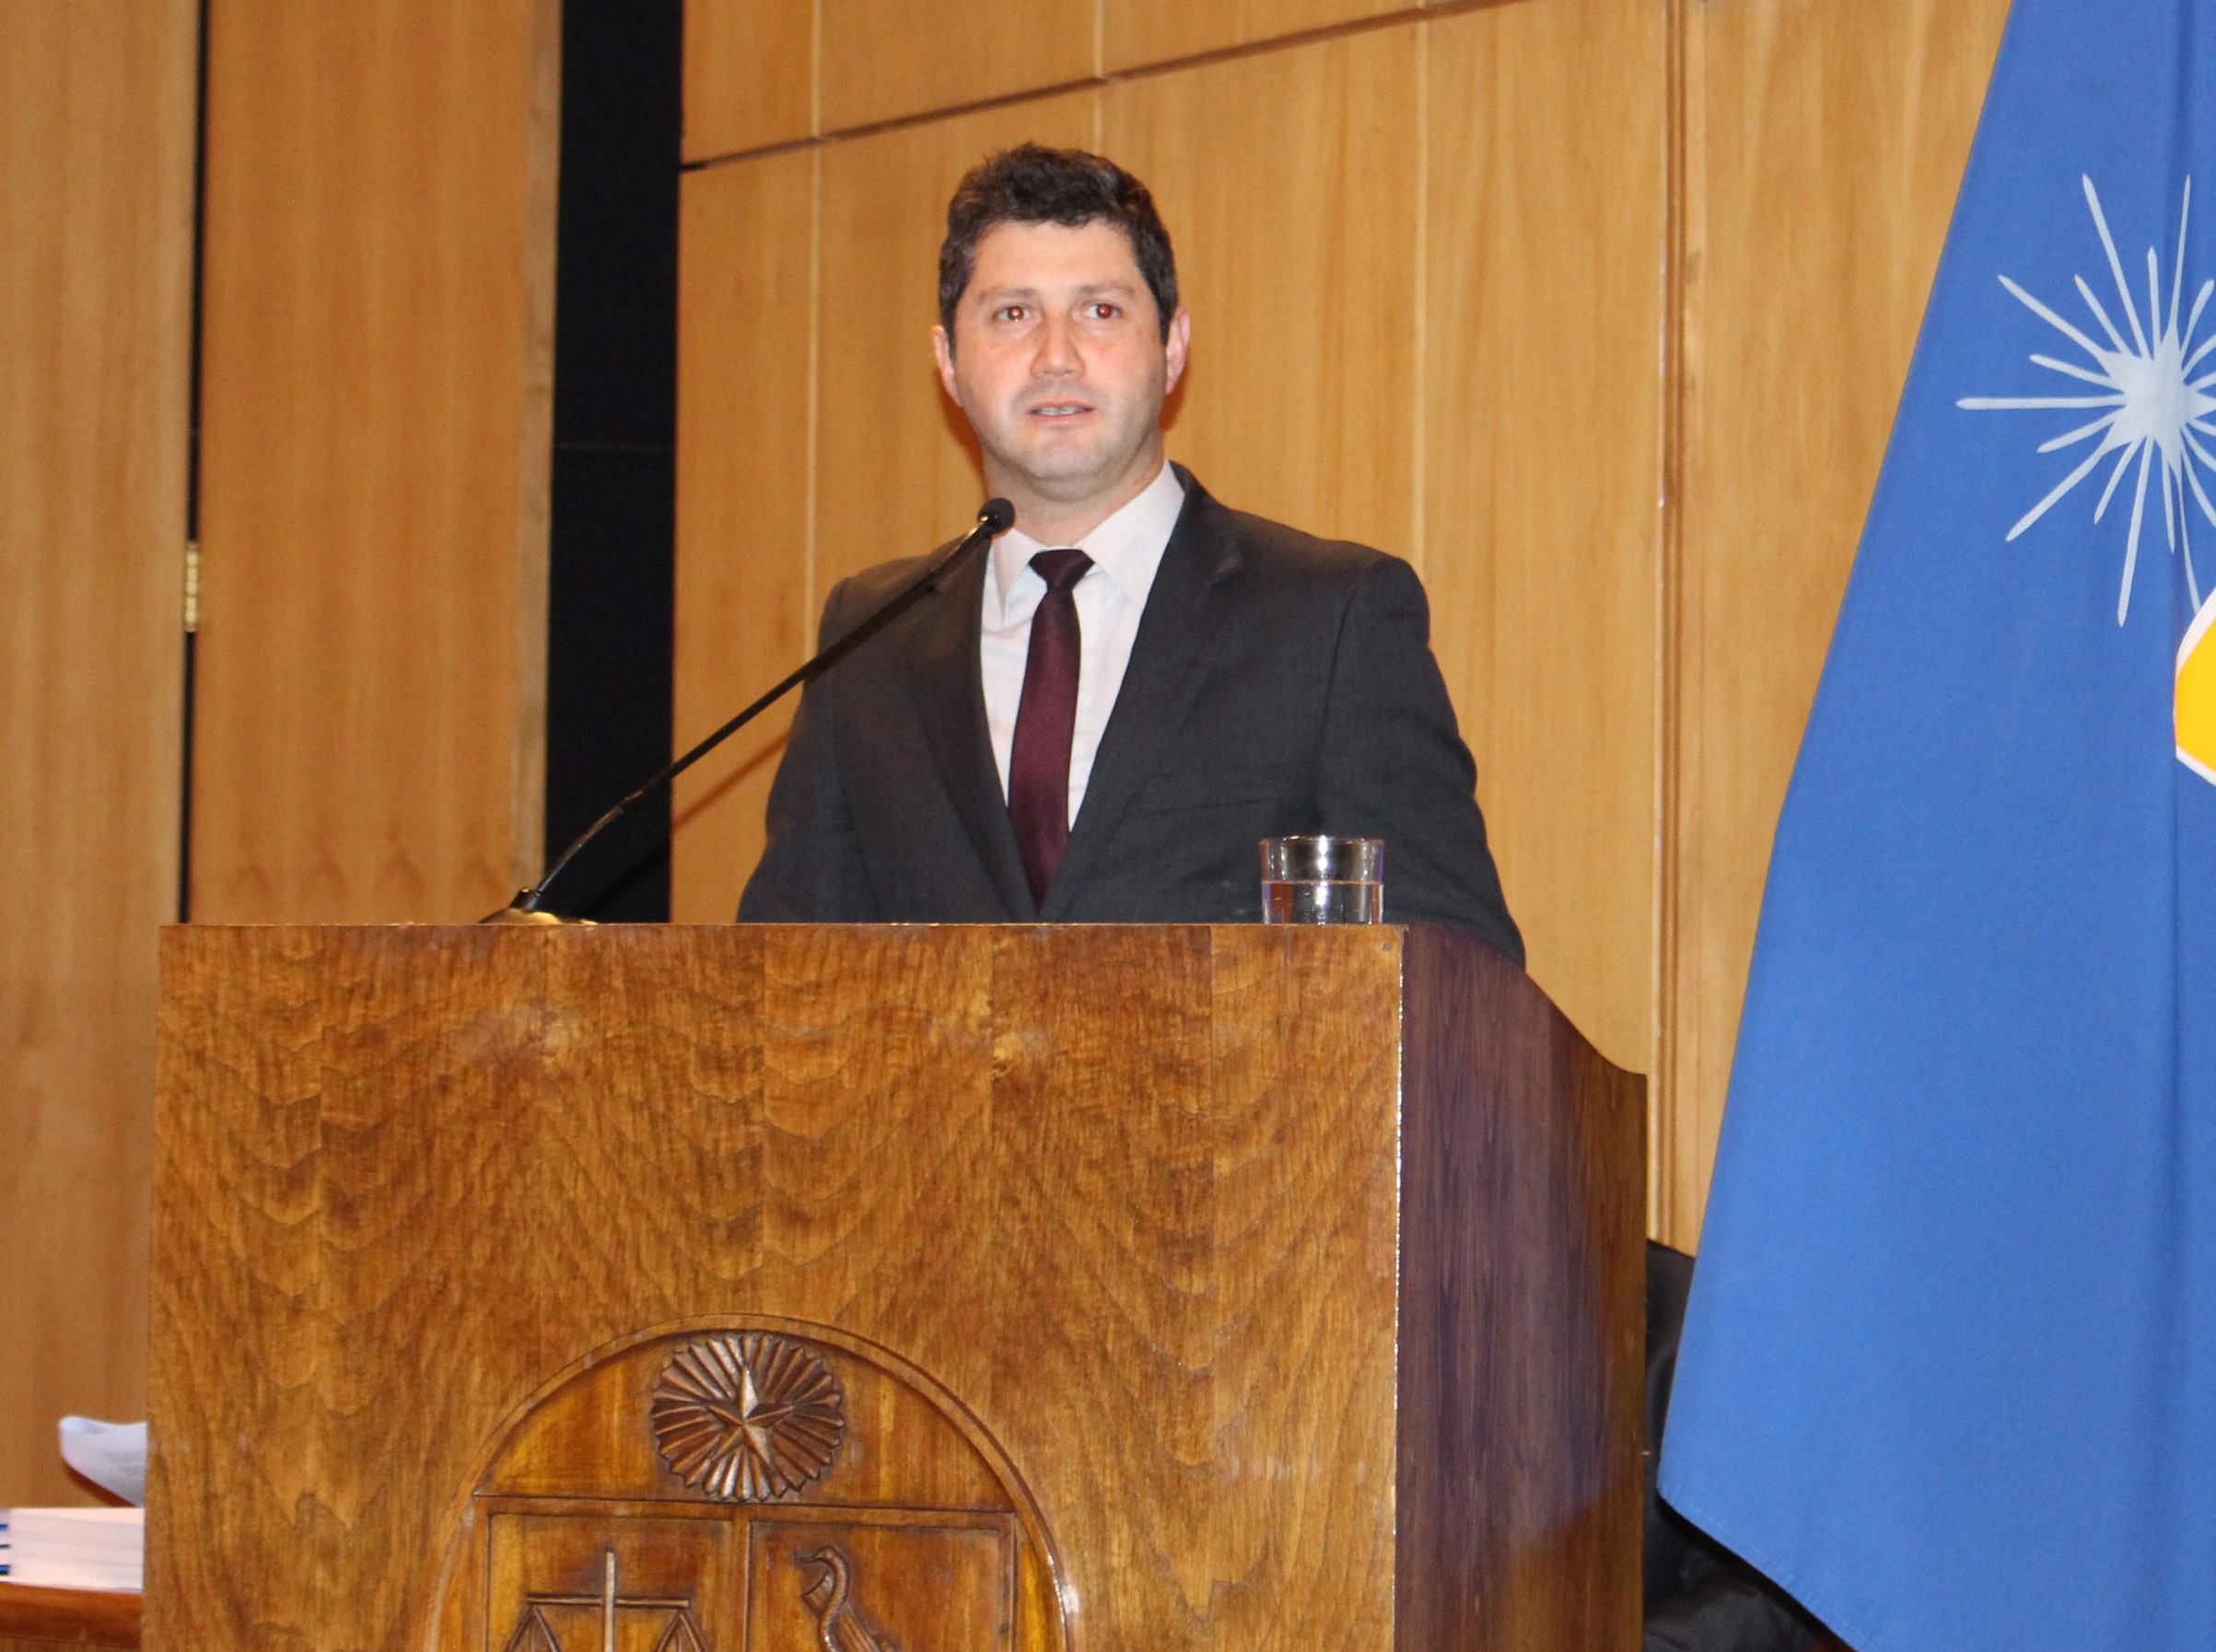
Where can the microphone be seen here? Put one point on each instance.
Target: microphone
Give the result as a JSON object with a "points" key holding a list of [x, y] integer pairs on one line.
{"points": [[993, 518]]}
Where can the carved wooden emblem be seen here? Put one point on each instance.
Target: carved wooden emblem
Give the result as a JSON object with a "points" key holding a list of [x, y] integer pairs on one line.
{"points": [[839, 1623], [747, 1484], [670, 1619], [747, 1416]]}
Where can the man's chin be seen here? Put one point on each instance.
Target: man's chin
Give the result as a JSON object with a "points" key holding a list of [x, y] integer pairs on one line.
{"points": [[1065, 477], [1074, 470]]}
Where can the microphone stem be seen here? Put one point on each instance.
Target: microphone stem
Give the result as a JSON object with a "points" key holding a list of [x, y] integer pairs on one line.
{"points": [[529, 901]]}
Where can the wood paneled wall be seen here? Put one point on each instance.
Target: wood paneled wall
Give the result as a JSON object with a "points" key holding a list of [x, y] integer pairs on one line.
{"points": [[376, 423], [96, 261], [1596, 309], [376, 381], [1822, 149]]}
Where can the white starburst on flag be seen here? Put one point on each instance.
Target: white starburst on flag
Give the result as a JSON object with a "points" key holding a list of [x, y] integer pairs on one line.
{"points": [[2155, 408]]}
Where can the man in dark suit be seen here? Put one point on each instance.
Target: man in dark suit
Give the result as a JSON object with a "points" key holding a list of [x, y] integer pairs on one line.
{"points": [[1101, 722]]}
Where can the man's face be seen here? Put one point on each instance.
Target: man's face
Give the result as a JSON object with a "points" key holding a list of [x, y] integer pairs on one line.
{"points": [[1059, 362]]}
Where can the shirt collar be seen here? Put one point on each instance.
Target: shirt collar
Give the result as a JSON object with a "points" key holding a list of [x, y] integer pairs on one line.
{"points": [[1128, 547]]}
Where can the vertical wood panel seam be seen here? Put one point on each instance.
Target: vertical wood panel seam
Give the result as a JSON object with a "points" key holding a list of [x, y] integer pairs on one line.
{"points": [[534, 460], [1420, 381], [195, 311], [1666, 1141], [809, 604]]}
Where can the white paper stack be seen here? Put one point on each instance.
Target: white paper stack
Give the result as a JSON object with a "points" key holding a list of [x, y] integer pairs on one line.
{"points": [[112, 1455], [74, 1548]]}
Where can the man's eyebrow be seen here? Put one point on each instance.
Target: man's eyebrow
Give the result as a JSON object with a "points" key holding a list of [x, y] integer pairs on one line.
{"points": [[1032, 291]]}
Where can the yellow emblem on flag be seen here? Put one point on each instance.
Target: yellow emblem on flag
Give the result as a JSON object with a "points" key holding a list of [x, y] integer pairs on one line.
{"points": [[2197, 695]]}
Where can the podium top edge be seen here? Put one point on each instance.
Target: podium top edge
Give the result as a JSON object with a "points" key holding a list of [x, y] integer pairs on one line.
{"points": [[1398, 930]]}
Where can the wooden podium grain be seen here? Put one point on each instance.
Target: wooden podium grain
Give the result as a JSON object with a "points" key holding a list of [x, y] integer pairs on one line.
{"points": [[1171, 1288]]}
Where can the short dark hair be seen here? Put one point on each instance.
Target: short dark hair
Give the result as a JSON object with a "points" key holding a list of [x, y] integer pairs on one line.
{"points": [[1032, 184]]}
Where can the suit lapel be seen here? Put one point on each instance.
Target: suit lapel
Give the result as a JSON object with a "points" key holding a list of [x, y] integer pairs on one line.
{"points": [[1186, 608], [950, 699]]}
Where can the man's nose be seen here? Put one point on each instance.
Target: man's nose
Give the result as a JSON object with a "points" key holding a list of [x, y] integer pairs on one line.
{"points": [[1057, 354]]}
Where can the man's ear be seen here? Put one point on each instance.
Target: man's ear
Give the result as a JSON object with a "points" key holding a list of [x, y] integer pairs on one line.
{"points": [[1174, 348], [943, 352]]}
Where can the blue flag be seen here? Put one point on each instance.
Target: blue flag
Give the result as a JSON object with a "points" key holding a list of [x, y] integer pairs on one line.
{"points": [[1949, 1374]]}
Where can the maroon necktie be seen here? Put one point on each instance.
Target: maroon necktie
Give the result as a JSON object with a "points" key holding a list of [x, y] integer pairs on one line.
{"points": [[1038, 768]]}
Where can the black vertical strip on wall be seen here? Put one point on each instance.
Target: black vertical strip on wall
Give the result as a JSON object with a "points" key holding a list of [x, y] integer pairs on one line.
{"points": [[612, 556], [191, 511]]}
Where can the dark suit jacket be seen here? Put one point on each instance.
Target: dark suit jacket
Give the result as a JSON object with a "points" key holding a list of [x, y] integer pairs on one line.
{"points": [[1699, 1597], [1278, 684]]}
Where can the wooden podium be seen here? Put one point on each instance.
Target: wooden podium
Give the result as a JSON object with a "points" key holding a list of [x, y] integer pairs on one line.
{"points": [[951, 1289]]}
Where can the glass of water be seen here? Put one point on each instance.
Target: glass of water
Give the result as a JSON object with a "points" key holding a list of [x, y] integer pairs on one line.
{"points": [[1322, 880]]}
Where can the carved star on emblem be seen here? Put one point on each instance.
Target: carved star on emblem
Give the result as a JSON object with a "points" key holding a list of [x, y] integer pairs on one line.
{"points": [[747, 1416]]}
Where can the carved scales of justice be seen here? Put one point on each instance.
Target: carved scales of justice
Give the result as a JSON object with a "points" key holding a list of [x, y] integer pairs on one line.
{"points": [[672, 1617], [840, 1627]]}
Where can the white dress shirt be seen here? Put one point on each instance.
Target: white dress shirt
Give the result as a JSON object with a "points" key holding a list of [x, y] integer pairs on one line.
{"points": [[1126, 548]]}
